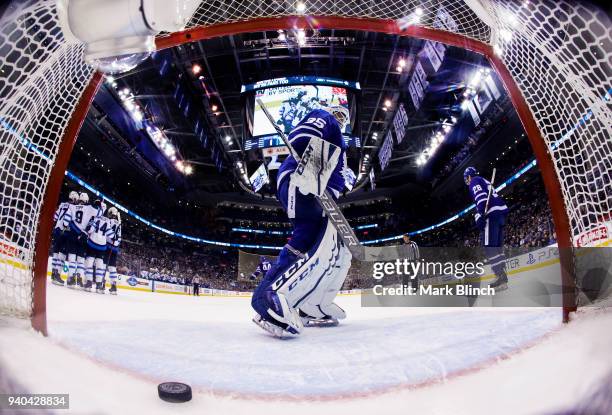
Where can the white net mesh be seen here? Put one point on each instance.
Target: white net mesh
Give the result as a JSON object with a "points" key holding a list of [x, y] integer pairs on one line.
{"points": [[41, 81], [558, 54]]}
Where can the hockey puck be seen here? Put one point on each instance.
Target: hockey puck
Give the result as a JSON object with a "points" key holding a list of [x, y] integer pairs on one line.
{"points": [[174, 392]]}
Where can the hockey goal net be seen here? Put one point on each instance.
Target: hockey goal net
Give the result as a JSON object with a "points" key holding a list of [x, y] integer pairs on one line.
{"points": [[553, 57]]}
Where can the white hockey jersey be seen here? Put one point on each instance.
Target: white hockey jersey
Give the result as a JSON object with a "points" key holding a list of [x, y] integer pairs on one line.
{"points": [[98, 232], [79, 216], [60, 213], [113, 238]]}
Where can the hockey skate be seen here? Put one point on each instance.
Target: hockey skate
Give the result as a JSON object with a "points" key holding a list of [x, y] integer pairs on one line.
{"points": [[500, 284], [71, 282], [100, 289], [87, 286], [275, 330], [79, 281], [325, 321], [113, 289], [56, 279]]}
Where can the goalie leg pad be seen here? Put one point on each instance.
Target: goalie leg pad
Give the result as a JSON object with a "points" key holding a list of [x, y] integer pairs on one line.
{"points": [[273, 308], [300, 280], [293, 278], [320, 304]]}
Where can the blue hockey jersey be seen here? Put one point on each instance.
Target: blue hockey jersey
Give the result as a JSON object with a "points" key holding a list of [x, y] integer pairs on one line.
{"points": [[319, 124], [479, 189], [263, 267]]}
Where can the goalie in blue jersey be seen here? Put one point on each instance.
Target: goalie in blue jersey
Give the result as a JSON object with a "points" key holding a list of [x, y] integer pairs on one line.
{"points": [[491, 212], [300, 287]]}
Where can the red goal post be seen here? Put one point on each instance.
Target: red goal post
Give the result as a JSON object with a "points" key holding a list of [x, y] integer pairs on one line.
{"points": [[553, 58]]}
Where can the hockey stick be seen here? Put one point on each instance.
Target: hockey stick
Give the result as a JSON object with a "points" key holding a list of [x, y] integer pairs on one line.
{"points": [[490, 191], [332, 211]]}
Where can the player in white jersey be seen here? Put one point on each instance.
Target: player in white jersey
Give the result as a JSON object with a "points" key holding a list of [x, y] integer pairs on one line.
{"points": [[60, 233], [77, 218], [113, 241], [98, 231]]}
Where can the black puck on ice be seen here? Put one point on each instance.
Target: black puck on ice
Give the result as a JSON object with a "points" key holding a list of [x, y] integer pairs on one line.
{"points": [[174, 392]]}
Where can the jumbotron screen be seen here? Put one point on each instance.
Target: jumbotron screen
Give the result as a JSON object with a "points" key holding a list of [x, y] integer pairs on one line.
{"points": [[290, 104]]}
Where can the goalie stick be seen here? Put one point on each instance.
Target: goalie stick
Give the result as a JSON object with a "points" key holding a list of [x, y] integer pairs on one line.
{"points": [[332, 211]]}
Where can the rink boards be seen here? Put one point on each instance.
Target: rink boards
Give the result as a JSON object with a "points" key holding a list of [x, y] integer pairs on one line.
{"points": [[545, 259]]}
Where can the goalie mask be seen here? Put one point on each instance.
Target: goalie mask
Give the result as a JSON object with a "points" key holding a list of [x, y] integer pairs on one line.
{"points": [[340, 113]]}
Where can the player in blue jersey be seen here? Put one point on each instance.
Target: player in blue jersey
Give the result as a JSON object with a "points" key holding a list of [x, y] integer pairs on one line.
{"points": [[263, 267], [490, 223], [310, 269]]}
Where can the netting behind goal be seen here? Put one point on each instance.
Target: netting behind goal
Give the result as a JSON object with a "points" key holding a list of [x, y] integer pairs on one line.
{"points": [[42, 78], [558, 56]]}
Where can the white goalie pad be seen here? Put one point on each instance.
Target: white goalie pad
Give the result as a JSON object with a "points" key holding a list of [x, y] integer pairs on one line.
{"points": [[301, 279], [318, 162], [321, 302]]}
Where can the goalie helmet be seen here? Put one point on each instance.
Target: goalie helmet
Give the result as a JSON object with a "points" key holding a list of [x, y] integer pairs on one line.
{"points": [[73, 196], [340, 113], [84, 198]]}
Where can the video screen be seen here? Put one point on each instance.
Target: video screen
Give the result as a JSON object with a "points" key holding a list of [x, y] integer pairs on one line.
{"points": [[290, 104]]}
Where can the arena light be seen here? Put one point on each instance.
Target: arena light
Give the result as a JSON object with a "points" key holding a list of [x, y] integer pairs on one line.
{"points": [[401, 64], [411, 19], [228, 139], [196, 69], [188, 170], [214, 108], [475, 80], [301, 37], [300, 7]]}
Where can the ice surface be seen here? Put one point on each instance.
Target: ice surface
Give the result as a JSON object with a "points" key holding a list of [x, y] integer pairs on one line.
{"points": [[110, 352], [211, 344]]}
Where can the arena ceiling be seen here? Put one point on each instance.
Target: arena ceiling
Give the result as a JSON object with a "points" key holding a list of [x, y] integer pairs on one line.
{"points": [[209, 75]]}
